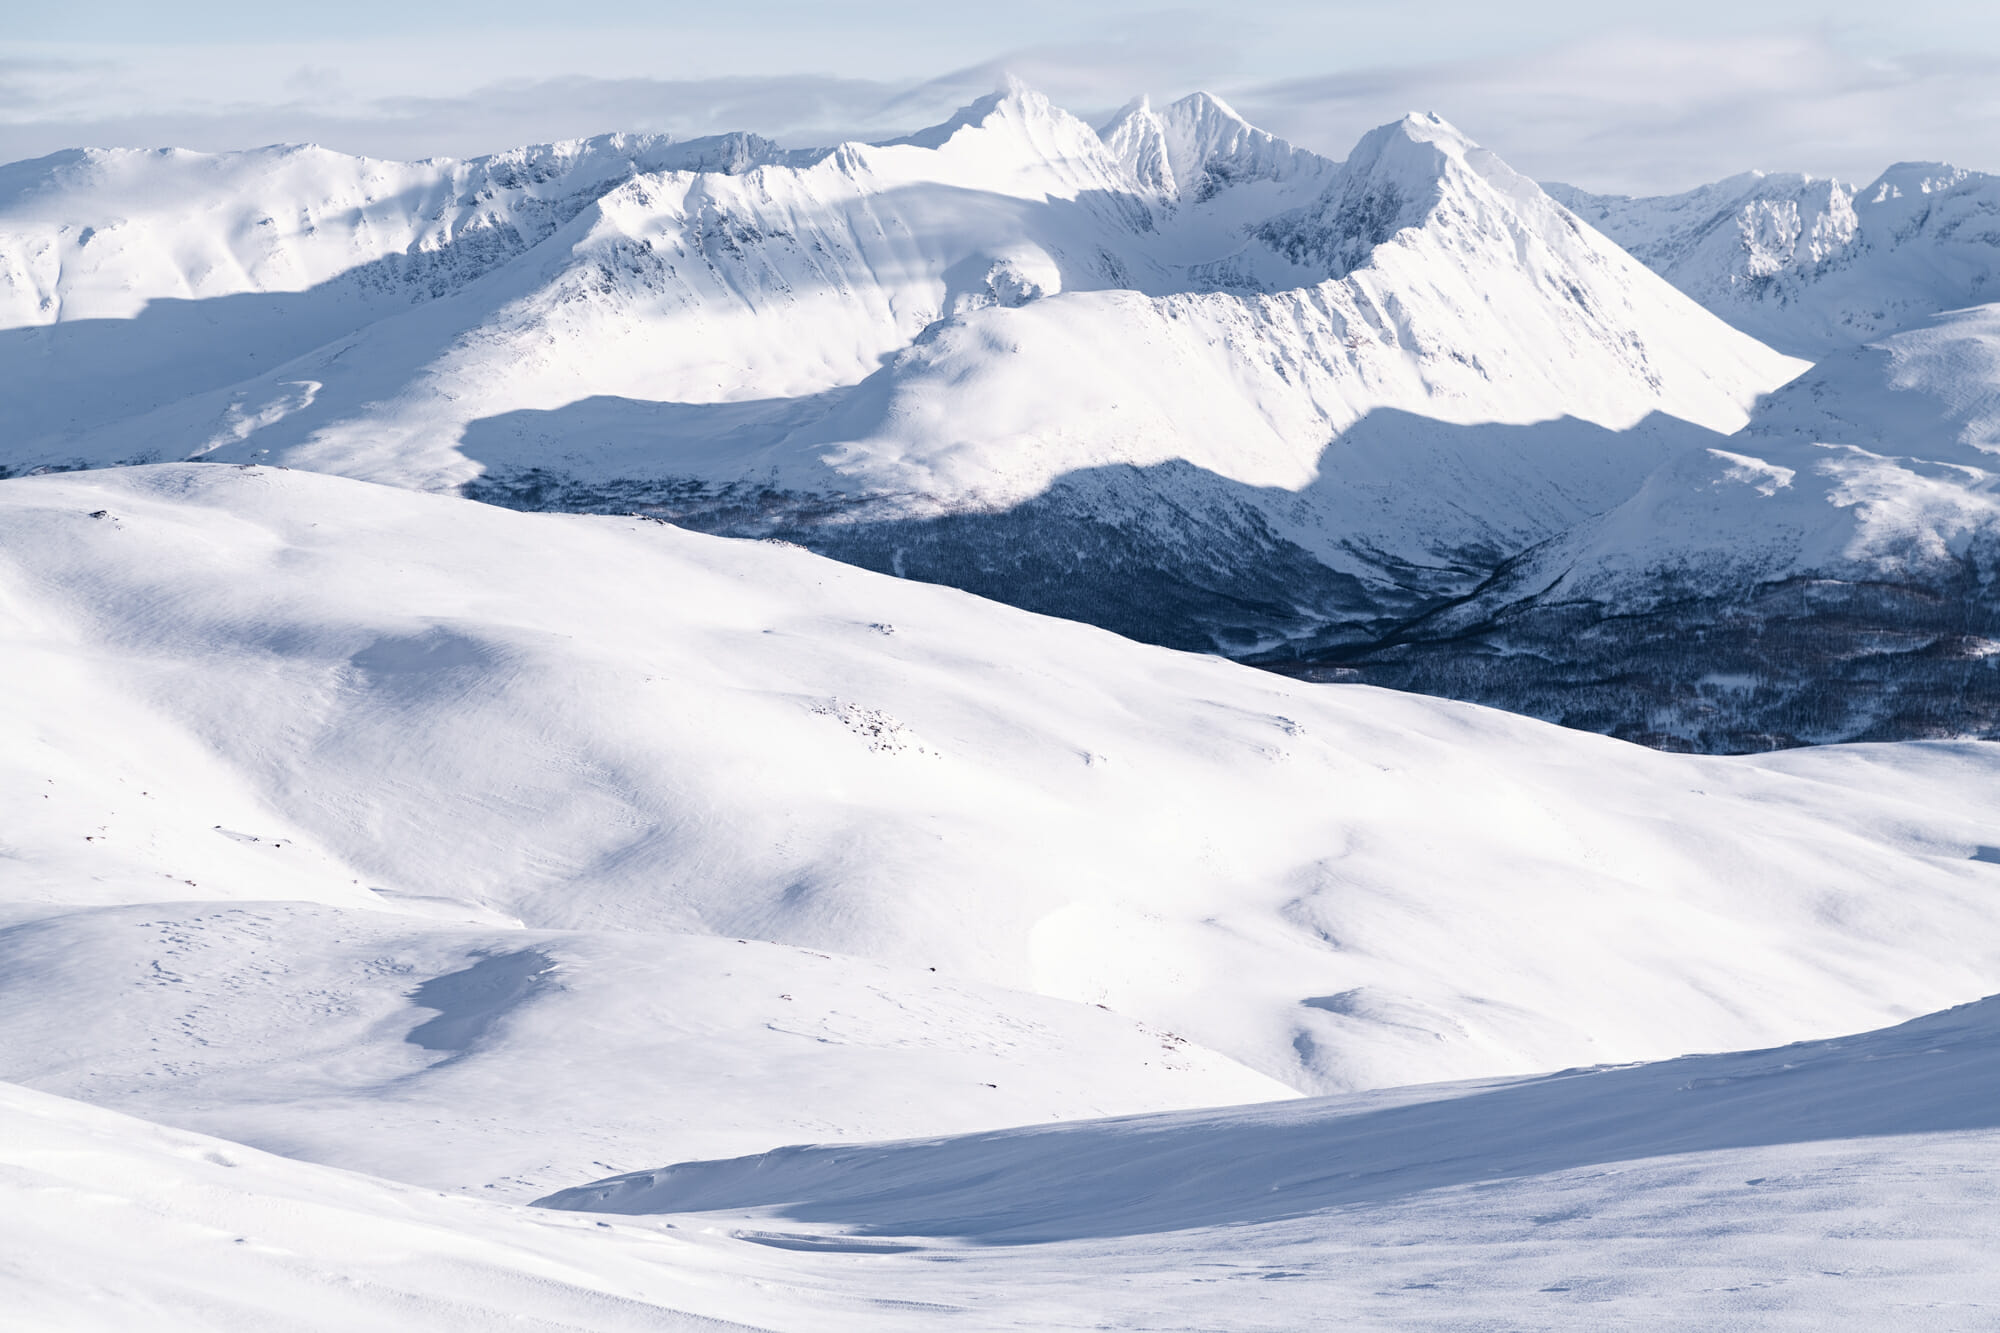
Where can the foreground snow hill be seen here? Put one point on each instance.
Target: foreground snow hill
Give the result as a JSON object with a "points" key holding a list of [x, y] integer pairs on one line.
{"points": [[1845, 1183], [1177, 377], [1939, 1074], [247, 684], [1828, 574], [1812, 266]]}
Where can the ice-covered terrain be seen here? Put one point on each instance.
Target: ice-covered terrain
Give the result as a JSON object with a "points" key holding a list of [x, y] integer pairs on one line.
{"points": [[1812, 266], [1826, 574], [1178, 377]]}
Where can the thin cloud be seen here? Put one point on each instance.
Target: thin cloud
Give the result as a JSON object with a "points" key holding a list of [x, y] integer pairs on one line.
{"points": [[1628, 112], [1641, 113]]}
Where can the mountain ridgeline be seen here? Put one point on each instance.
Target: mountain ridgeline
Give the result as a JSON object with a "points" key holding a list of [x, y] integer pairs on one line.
{"points": [[1404, 418]]}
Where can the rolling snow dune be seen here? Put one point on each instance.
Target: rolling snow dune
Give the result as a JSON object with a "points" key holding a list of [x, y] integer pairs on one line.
{"points": [[601, 724], [1847, 1183]]}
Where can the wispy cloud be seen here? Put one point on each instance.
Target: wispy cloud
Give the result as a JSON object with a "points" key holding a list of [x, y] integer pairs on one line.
{"points": [[1618, 111], [1636, 113]]}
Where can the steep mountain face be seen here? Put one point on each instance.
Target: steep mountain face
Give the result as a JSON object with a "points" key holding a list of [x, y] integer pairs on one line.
{"points": [[1198, 147], [1812, 266], [1179, 378], [1829, 575], [129, 279]]}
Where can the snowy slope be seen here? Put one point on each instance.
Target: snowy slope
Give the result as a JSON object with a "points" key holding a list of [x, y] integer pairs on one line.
{"points": [[515, 1062], [1835, 1185], [604, 724], [112, 1223], [1876, 464], [1845, 1183], [1812, 266], [1835, 561], [1939, 1074], [129, 278], [1104, 337]]}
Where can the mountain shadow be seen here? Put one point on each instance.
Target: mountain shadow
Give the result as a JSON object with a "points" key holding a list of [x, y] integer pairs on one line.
{"points": [[1348, 579], [1406, 514]]}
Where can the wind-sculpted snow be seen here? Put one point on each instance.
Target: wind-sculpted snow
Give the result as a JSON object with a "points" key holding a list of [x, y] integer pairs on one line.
{"points": [[416, 703], [1812, 266]]}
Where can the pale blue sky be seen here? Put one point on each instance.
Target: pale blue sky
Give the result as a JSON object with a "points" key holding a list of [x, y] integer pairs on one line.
{"points": [[1606, 95]]}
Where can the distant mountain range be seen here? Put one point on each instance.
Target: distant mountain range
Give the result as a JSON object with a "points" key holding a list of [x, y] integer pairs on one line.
{"points": [[1812, 266], [1173, 376]]}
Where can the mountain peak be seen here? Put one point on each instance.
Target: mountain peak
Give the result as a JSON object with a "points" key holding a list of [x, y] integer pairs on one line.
{"points": [[1205, 106], [1013, 100], [1906, 180], [1430, 127], [1197, 146], [1137, 137]]}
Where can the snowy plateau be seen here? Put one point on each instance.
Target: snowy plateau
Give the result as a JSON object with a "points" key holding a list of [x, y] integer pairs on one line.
{"points": [[704, 735]]}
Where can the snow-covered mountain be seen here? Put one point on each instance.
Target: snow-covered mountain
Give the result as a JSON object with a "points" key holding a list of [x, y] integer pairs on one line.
{"points": [[824, 949], [1812, 266], [1179, 376], [1828, 573]]}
